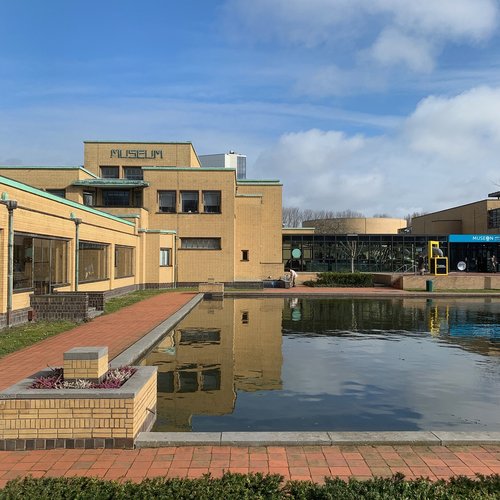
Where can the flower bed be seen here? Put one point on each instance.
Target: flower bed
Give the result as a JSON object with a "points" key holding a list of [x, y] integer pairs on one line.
{"points": [[113, 379]]}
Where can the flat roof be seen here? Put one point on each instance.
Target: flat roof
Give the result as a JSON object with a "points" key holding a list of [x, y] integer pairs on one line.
{"points": [[47, 167]]}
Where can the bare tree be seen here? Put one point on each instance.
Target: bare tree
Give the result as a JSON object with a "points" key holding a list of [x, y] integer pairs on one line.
{"points": [[292, 217], [352, 249], [409, 217]]}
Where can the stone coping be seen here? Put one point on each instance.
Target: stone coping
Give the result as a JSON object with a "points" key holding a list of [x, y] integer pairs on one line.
{"points": [[128, 390], [402, 294], [81, 353], [144, 344], [428, 438]]}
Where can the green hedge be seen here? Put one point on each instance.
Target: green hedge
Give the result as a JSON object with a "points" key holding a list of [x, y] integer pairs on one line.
{"points": [[342, 279], [251, 486]]}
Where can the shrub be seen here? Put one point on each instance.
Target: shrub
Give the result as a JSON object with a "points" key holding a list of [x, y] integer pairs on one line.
{"points": [[251, 486], [342, 279]]}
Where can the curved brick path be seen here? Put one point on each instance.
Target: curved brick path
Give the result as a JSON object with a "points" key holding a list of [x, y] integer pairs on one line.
{"points": [[119, 330]]}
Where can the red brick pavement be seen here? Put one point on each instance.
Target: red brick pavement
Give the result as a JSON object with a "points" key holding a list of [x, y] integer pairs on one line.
{"points": [[117, 331], [293, 462]]}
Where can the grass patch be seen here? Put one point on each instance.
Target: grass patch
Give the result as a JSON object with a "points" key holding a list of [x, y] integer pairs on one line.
{"points": [[15, 338], [113, 305], [252, 486]]}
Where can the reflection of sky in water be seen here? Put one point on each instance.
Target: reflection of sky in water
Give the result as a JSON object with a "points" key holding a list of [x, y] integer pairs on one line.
{"points": [[377, 365]]}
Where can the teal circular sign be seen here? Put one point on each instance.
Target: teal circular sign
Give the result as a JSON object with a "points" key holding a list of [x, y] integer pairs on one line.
{"points": [[296, 253]]}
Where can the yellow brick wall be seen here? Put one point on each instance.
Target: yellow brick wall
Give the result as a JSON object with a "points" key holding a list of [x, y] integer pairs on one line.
{"points": [[85, 368], [98, 154], [76, 418]]}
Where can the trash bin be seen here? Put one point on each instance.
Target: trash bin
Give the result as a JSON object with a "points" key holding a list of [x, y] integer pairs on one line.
{"points": [[428, 285]]}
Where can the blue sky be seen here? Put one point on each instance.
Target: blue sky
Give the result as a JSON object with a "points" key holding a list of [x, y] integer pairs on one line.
{"points": [[381, 106]]}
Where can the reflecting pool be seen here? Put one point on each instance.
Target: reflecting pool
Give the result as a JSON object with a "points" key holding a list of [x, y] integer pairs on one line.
{"points": [[331, 364]]}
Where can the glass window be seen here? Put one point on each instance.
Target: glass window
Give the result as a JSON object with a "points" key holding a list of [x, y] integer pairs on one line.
{"points": [[189, 201], [244, 255], [165, 254], [167, 201], [110, 172], [39, 263], [89, 198], [93, 261], [211, 202], [494, 218], [57, 192], [116, 198], [124, 261], [201, 243], [211, 379], [134, 173]]}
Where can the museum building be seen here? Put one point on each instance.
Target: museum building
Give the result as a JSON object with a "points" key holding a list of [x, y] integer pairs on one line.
{"points": [[135, 215]]}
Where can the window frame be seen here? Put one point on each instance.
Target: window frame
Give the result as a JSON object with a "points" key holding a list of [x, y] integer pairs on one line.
{"points": [[219, 206], [190, 191], [114, 168], [206, 248], [245, 255], [131, 271], [168, 252], [174, 207]]}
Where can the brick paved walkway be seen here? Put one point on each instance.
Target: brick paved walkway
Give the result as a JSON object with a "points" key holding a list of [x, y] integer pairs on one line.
{"points": [[117, 331], [302, 463]]}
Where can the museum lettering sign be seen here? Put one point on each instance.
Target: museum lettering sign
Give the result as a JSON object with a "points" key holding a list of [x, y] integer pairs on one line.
{"points": [[137, 153]]}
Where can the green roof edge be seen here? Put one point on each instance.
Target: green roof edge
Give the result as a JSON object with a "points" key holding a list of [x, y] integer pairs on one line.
{"points": [[64, 201]]}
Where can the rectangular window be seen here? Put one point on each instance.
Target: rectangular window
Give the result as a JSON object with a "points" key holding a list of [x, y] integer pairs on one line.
{"points": [[57, 192], [39, 263], [93, 261], [110, 172], [494, 218], [116, 198], [165, 254], [211, 202], [200, 243], [167, 202], [244, 255], [124, 261], [189, 201], [89, 198], [133, 173]]}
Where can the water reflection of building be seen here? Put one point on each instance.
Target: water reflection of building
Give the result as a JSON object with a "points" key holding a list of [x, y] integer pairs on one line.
{"points": [[220, 348]]}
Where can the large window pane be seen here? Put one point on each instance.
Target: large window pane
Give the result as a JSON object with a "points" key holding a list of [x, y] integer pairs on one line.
{"points": [[110, 172], [39, 263], [200, 243], [189, 201], [124, 262], [116, 198], [166, 201], [93, 263], [23, 262], [134, 173], [165, 257], [211, 202]]}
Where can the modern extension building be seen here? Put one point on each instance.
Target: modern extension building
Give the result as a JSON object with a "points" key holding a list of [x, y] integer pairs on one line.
{"points": [[134, 215], [226, 160]]}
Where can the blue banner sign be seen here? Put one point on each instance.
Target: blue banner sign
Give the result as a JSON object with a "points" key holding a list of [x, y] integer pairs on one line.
{"points": [[474, 238]]}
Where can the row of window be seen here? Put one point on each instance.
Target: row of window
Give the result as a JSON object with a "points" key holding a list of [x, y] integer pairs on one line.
{"points": [[494, 218], [189, 202], [41, 263], [133, 173]]}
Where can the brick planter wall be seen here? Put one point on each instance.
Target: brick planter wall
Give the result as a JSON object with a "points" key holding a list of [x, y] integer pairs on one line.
{"points": [[77, 418], [67, 305]]}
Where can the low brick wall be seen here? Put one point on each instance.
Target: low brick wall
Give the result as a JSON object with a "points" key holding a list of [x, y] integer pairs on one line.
{"points": [[450, 282], [17, 317], [211, 289], [77, 418], [66, 305]]}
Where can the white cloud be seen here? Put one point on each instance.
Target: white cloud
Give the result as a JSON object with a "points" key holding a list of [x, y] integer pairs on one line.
{"points": [[394, 47], [445, 153], [392, 31]]}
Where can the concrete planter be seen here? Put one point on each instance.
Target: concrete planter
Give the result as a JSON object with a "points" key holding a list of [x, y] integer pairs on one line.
{"points": [[77, 418]]}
